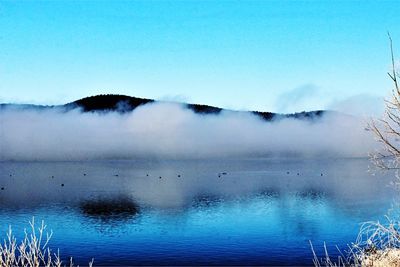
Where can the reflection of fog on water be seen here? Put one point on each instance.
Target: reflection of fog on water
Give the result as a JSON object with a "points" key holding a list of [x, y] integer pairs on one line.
{"points": [[37, 184]]}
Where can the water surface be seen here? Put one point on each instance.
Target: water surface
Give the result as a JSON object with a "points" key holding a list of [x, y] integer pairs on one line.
{"points": [[203, 212]]}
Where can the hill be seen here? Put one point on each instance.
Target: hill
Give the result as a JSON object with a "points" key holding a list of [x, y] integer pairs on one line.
{"points": [[123, 103]]}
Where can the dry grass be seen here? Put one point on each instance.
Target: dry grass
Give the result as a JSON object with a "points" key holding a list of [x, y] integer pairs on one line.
{"points": [[376, 245], [383, 258], [32, 251]]}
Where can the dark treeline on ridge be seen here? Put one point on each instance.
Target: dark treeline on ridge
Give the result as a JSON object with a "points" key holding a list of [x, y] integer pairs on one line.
{"points": [[123, 103]]}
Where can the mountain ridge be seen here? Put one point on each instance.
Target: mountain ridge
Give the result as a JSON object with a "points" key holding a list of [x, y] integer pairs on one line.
{"points": [[123, 103]]}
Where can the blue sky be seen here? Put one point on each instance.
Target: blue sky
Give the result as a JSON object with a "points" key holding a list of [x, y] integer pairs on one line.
{"points": [[269, 55]]}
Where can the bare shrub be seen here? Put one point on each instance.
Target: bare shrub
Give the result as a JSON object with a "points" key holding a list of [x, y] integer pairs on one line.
{"points": [[387, 129], [32, 251]]}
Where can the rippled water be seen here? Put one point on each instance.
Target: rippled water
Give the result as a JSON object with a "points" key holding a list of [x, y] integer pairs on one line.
{"points": [[209, 212]]}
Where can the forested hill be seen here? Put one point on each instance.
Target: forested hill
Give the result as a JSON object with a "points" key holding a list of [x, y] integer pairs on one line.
{"points": [[123, 103]]}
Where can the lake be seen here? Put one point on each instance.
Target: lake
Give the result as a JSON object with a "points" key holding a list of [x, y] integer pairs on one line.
{"points": [[197, 212]]}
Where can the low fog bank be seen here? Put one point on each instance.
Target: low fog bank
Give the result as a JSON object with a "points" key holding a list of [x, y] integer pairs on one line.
{"points": [[165, 130]]}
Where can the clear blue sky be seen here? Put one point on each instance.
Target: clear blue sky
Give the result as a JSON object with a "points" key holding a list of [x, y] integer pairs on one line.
{"points": [[267, 55]]}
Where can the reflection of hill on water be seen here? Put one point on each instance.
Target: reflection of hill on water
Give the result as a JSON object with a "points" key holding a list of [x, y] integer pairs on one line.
{"points": [[109, 209]]}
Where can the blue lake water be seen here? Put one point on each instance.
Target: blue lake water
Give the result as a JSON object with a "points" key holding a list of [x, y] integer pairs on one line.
{"points": [[200, 212]]}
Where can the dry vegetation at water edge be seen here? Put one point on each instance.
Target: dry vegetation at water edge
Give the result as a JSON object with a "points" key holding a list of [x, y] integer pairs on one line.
{"points": [[32, 251]]}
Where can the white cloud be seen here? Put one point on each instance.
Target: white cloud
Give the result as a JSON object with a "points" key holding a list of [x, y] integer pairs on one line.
{"points": [[361, 105], [306, 97]]}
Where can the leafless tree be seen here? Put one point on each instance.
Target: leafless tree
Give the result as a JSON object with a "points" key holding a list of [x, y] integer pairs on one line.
{"points": [[387, 129]]}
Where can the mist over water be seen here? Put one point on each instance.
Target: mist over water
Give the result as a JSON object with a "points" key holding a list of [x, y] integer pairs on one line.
{"points": [[167, 130]]}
